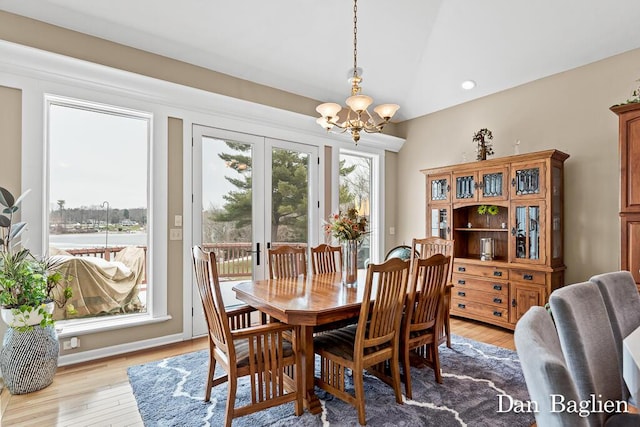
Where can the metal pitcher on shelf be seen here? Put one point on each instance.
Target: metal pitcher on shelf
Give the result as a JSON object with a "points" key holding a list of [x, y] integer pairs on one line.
{"points": [[487, 249]]}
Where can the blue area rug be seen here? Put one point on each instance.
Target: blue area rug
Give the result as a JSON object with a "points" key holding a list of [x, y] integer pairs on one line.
{"points": [[170, 393]]}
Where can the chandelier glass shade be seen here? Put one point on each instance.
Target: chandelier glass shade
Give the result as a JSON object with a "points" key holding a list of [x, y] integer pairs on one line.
{"points": [[355, 118]]}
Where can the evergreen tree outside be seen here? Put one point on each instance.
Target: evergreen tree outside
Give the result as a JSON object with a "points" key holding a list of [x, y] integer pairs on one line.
{"points": [[289, 195], [231, 221]]}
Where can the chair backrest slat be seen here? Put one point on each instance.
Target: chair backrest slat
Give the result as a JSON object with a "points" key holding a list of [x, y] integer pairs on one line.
{"points": [[326, 259], [287, 261]]}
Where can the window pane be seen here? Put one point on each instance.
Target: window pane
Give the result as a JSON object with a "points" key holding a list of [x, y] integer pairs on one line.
{"points": [[355, 192], [227, 208], [289, 197], [98, 206]]}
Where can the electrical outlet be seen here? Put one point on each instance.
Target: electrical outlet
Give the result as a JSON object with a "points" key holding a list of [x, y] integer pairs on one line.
{"points": [[175, 234], [70, 344]]}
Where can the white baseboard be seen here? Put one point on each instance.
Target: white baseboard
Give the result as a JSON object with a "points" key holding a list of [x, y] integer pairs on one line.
{"points": [[85, 356]]}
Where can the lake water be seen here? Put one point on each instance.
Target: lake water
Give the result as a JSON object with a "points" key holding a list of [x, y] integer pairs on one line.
{"points": [[96, 240]]}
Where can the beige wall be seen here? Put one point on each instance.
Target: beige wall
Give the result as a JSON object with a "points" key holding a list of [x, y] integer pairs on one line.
{"points": [[567, 111], [175, 248], [10, 137], [10, 147], [391, 201]]}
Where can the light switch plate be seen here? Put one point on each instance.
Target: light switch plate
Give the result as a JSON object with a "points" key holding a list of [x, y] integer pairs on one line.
{"points": [[177, 221]]}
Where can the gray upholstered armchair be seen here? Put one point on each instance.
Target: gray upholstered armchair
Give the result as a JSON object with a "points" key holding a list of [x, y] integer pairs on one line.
{"points": [[588, 344], [622, 300], [544, 368]]}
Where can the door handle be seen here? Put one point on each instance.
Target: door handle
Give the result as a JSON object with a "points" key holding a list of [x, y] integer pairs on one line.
{"points": [[257, 252]]}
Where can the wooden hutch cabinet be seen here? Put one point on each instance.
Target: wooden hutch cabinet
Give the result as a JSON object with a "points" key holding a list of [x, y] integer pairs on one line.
{"points": [[524, 262], [629, 149]]}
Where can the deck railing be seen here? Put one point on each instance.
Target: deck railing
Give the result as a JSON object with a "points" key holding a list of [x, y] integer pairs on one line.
{"points": [[234, 259]]}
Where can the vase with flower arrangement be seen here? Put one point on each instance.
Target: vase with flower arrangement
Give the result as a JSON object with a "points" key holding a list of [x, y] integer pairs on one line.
{"points": [[349, 229]]}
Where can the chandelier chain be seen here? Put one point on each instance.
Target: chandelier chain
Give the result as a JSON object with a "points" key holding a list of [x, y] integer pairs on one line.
{"points": [[358, 119], [355, 38]]}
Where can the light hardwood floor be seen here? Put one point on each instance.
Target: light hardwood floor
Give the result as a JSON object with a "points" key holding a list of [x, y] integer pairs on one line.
{"points": [[98, 393]]}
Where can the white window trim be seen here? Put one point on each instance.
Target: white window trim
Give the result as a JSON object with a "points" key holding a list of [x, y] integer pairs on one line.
{"points": [[376, 207], [99, 324], [37, 72]]}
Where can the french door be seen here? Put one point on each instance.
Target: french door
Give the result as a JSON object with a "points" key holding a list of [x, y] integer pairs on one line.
{"points": [[250, 193]]}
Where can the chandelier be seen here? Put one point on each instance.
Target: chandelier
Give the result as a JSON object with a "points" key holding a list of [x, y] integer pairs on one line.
{"points": [[358, 118]]}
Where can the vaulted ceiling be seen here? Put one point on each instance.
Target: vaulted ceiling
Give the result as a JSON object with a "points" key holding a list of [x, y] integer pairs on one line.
{"points": [[415, 53]]}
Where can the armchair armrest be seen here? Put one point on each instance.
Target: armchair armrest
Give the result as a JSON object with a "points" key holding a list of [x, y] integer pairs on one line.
{"points": [[261, 330], [240, 317]]}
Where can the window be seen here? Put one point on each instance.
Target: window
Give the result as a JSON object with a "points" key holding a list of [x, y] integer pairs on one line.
{"points": [[355, 191], [98, 206]]}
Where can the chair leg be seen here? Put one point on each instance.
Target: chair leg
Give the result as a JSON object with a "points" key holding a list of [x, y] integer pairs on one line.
{"points": [[231, 400], [358, 383], [299, 408], [209, 386], [447, 328], [395, 375], [407, 372], [436, 362]]}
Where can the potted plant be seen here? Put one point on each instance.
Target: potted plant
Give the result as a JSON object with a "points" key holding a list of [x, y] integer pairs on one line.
{"points": [[29, 289]]}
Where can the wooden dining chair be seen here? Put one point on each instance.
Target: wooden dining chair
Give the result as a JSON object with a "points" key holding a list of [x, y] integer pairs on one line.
{"points": [[259, 352], [287, 261], [374, 340], [426, 248], [326, 259], [422, 320]]}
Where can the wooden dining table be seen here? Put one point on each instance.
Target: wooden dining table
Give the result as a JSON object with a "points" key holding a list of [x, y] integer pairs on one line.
{"points": [[307, 302]]}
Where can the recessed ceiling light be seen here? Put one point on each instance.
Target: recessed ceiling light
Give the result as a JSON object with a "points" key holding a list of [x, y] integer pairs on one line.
{"points": [[468, 84]]}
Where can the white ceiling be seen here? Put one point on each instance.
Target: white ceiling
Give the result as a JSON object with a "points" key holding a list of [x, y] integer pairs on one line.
{"points": [[414, 53]]}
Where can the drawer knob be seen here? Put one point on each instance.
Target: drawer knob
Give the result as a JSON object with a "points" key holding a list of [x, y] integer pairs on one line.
{"points": [[527, 276], [461, 282], [497, 313], [462, 306], [462, 294], [497, 287], [497, 300], [462, 269], [497, 273]]}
